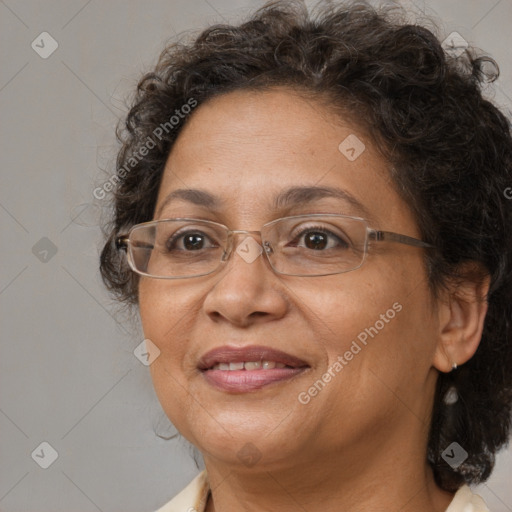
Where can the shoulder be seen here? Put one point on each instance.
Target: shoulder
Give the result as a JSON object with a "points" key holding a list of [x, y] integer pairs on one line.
{"points": [[192, 498], [465, 501]]}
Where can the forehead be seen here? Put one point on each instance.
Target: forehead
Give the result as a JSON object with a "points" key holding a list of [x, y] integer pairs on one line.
{"points": [[246, 148]]}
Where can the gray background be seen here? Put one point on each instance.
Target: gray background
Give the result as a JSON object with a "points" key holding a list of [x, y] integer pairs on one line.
{"points": [[68, 375]]}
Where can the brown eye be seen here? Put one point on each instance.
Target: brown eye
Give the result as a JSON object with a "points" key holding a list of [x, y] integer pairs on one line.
{"points": [[189, 241], [315, 240], [319, 238]]}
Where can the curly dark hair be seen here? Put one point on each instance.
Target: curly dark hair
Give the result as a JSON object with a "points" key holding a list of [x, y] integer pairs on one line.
{"points": [[450, 151]]}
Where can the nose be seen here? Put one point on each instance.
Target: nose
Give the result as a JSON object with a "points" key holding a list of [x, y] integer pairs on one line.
{"points": [[247, 290]]}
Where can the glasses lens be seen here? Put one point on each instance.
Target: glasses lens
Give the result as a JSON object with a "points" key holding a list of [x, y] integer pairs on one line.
{"points": [[316, 245], [301, 245], [172, 248]]}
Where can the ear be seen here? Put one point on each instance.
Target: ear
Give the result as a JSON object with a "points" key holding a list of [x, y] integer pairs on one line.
{"points": [[461, 314]]}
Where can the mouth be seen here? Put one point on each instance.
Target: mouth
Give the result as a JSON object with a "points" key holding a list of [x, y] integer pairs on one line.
{"points": [[237, 369]]}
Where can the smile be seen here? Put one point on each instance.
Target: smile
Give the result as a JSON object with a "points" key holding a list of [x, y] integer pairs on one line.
{"points": [[243, 369]]}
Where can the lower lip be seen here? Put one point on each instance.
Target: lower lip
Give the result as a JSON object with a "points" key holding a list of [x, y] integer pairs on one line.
{"points": [[248, 380]]}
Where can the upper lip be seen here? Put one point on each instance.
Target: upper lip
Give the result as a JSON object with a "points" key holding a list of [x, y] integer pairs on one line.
{"points": [[231, 354]]}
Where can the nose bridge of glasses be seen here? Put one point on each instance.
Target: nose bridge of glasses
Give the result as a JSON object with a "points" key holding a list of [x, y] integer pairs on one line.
{"points": [[234, 233], [248, 251]]}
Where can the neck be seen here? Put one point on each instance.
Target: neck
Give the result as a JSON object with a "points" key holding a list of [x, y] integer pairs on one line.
{"points": [[368, 477]]}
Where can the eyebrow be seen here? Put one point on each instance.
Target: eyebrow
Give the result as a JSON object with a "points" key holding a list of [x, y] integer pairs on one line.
{"points": [[289, 198]]}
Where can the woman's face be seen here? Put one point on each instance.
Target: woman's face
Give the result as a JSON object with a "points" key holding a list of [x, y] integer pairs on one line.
{"points": [[366, 338]]}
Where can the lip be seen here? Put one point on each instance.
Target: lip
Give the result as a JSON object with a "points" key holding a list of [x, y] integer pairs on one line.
{"points": [[242, 381]]}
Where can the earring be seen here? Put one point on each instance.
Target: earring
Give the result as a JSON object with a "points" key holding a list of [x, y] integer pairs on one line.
{"points": [[451, 396], [454, 366]]}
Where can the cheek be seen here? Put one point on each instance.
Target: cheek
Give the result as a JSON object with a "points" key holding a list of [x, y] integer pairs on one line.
{"points": [[375, 320], [166, 320], [155, 311], [169, 313], [164, 310], [387, 345]]}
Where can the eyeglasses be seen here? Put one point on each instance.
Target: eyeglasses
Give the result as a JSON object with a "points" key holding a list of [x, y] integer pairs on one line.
{"points": [[301, 245]]}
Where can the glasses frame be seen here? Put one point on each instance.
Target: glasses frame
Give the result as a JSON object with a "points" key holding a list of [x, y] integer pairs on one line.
{"points": [[122, 242]]}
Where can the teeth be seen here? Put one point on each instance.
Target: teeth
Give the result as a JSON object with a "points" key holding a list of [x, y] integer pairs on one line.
{"points": [[253, 365], [249, 365]]}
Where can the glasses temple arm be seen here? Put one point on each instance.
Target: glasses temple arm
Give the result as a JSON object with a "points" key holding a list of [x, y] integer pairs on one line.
{"points": [[121, 242], [395, 237]]}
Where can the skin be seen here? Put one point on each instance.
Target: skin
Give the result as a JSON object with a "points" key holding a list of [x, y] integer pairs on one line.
{"points": [[360, 443]]}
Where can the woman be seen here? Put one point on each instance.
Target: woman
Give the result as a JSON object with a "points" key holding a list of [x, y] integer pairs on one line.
{"points": [[311, 216]]}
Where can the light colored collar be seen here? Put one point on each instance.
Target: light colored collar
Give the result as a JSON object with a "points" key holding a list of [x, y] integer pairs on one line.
{"points": [[465, 501], [192, 498]]}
